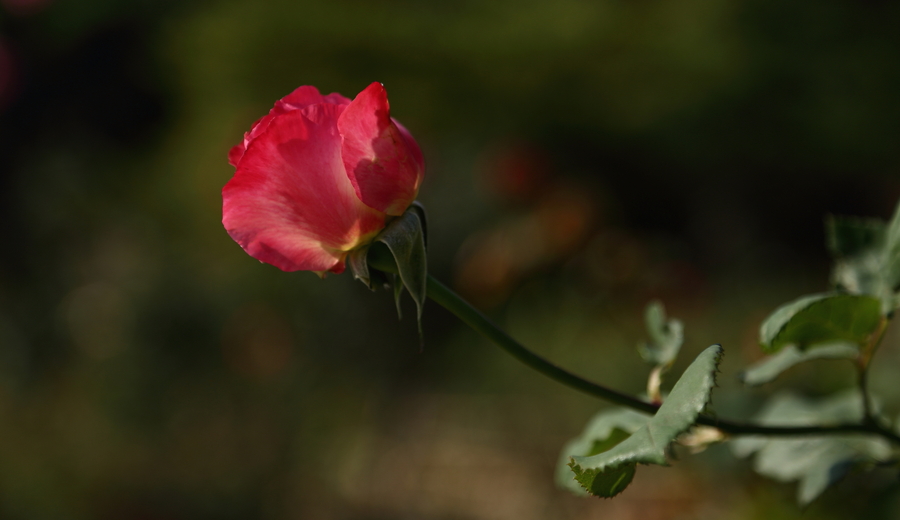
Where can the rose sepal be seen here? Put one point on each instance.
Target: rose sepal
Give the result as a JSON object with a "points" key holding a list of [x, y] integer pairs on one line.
{"points": [[399, 250]]}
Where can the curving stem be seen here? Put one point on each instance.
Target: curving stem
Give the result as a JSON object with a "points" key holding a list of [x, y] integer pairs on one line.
{"points": [[445, 297], [448, 299]]}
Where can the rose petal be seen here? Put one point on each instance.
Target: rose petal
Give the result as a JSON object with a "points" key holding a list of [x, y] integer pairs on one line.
{"points": [[384, 165], [237, 151], [290, 202], [299, 99], [235, 154], [304, 96], [414, 151]]}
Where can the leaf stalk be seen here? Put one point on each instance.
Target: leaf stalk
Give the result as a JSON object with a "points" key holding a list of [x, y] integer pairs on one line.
{"points": [[862, 366]]}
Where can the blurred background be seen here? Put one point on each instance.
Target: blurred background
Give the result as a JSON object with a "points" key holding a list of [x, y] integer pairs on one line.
{"points": [[583, 158]]}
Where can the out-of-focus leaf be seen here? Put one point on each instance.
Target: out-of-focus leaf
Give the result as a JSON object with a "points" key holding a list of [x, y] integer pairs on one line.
{"points": [[772, 366], [819, 319], [606, 474], [863, 274], [892, 251], [666, 336], [860, 257], [605, 430], [852, 236], [815, 462], [867, 257], [857, 246], [779, 319]]}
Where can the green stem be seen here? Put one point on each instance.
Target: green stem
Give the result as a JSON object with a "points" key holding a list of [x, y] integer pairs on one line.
{"points": [[448, 299], [863, 383]]}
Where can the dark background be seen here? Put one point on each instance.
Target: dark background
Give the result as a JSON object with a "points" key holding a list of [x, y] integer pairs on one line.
{"points": [[583, 157]]}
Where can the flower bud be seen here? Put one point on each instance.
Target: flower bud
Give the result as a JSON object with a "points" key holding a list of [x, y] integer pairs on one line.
{"points": [[317, 177]]}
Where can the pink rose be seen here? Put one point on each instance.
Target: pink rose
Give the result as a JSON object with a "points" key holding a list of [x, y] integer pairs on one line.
{"points": [[317, 177]]}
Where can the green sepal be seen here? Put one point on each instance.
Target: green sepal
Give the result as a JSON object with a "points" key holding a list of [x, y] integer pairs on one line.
{"points": [[397, 286], [423, 218], [396, 258], [606, 474], [405, 239], [768, 368], [359, 266], [821, 319]]}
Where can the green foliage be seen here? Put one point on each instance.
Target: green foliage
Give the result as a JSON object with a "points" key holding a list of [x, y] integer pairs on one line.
{"points": [[892, 253], [666, 336], [820, 319], [867, 257], [607, 429], [851, 236], [607, 473], [771, 367], [815, 462], [835, 325], [858, 246]]}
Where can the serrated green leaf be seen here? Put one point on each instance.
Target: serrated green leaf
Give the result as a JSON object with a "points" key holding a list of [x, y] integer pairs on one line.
{"points": [[608, 481], [819, 319], [605, 430], [607, 474], [666, 336], [815, 462], [771, 367], [405, 239]]}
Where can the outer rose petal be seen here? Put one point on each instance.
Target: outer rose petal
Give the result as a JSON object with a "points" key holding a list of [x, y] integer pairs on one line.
{"points": [[235, 154], [307, 95], [299, 99], [414, 151], [237, 151], [290, 202], [384, 165]]}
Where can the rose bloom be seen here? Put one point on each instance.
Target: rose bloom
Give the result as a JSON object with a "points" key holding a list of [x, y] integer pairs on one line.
{"points": [[318, 177]]}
